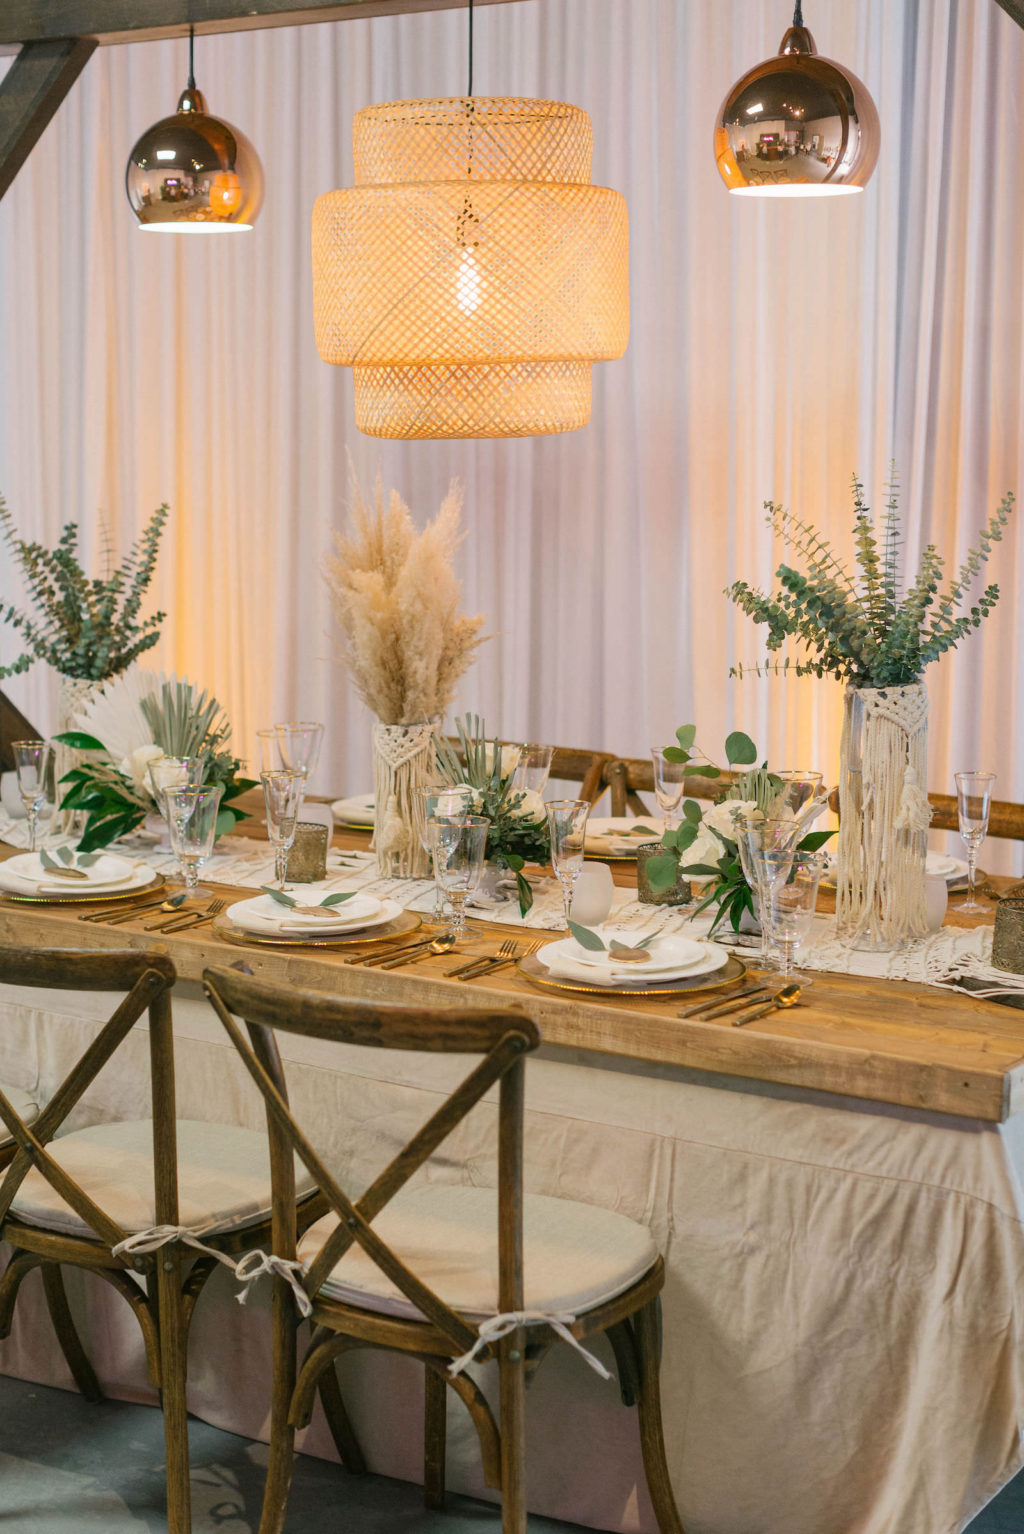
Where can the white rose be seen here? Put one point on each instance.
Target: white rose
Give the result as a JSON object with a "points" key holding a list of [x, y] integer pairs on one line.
{"points": [[509, 758], [722, 817], [136, 766], [531, 806], [704, 849]]}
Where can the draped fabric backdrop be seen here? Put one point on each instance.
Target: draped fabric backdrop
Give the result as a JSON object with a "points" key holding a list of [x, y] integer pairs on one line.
{"points": [[776, 349]]}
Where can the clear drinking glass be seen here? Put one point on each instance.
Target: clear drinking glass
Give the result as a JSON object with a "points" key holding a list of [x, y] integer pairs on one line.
{"points": [[973, 800], [269, 750], [32, 758], [442, 799], [192, 821], [534, 769], [669, 784], [459, 843], [282, 796], [791, 883], [299, 743], [755, 837], [174, 772], [567, 828], [799, 786]]}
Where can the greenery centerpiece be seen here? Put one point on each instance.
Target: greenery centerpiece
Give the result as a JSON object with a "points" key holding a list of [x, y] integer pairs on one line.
{"points": [[518, 833], [870, 630], [132, 721], [704, 844]]}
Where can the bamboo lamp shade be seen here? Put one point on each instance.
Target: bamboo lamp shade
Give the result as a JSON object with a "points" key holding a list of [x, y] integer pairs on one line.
{"points": [[472, 274]]}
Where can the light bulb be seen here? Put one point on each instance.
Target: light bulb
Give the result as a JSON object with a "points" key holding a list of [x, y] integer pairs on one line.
{"points": [[468, 283]]}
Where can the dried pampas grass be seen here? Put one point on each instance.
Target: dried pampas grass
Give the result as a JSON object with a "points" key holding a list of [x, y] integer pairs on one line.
{"points": [[396, 600]]}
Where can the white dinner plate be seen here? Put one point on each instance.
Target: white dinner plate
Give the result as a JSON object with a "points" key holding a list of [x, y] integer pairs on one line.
{"points": [[110, 875], [938, 865], [265, 916], [562, 960], [360, 811], [620, 835]]}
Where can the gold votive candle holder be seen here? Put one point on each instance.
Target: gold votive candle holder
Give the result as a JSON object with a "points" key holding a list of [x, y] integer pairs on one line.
{"points": [[307, 861], [678, 893]]}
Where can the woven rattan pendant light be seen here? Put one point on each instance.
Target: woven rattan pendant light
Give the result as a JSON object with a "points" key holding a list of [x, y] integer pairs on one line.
{"points": [[797, 125], [472, 275]]}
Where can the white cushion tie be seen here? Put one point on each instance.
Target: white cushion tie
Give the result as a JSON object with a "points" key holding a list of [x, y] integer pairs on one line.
{"points": [[250, 1266], [495, 1327]]}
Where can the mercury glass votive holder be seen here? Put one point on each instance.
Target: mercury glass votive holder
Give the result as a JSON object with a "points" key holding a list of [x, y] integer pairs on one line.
{"points": [[678, 893], [307, 861]]}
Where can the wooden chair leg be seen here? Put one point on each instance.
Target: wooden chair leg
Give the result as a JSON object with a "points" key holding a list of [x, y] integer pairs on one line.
{"points": [[173, 1372], [512, 1376], [67, 1333], [339, 1422], [282, 1434], [647, 1330], [435, 1432]]}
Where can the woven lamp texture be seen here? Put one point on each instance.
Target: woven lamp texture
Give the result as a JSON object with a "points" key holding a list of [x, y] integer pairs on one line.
{"points": [[472, 274]]}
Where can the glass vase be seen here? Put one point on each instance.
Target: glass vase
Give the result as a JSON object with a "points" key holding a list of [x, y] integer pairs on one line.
{"points": [[883, 818], [73, 693]]}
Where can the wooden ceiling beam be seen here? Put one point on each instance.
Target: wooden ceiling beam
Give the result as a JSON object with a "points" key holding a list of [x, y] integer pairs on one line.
{"points": [[30, 93], [138, 21]]}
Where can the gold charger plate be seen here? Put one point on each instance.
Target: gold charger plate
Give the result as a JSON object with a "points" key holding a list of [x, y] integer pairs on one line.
{"points": [[732, 970], [135, 893], [397, 927]]}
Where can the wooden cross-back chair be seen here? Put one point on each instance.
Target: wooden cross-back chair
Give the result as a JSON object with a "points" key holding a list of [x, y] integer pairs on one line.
{"points": [[1005, 819], [570, 764], [630, 776], [437, 1272], [73, 1198]]}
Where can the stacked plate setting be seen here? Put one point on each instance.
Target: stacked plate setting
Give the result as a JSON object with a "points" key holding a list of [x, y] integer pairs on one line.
{"points": [[107, 877], [671, 958], [263, 916], [359, 812]]}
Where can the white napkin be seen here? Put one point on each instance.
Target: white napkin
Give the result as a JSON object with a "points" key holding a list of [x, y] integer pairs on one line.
{"points": [[27, 872], [263, 914], [602, 969]]}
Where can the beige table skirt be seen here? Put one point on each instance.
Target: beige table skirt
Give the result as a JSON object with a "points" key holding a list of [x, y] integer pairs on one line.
{"points": [[843, 1307]]}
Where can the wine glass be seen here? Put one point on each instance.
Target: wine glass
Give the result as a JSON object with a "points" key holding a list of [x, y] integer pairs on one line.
{"points": [[534, 768], [669, 784], [269, 750], [440, 799], [458, 843], [32, 758], [567, 828], [299, 743], [973, 799], [755, 837], [799, 787], [282, 796], [174, 772], [192, 821], [791, 880]]}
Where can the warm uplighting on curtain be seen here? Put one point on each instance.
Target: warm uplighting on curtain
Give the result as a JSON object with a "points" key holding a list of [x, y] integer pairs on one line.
{"points": [[797, 125], [472, 275]]}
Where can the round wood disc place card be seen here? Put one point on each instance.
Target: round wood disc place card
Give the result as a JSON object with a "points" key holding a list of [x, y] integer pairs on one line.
{"points": [[727, 974], [408, 921]]}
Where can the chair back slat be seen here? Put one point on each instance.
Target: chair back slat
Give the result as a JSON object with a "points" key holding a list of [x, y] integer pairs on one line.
{"points": [[506, 1037]]}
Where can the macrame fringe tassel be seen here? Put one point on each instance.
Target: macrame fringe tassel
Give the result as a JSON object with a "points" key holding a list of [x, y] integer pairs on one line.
{"points": [[403, 761]]}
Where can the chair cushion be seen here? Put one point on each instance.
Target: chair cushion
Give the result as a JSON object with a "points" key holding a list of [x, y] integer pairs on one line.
{"points": [[575, 1257], [223, 1178], [23, 1103]]}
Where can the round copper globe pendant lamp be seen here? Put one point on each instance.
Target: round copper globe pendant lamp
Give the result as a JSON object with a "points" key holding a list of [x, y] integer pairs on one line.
{"points": [[193, 173], [472, 274], [797, 125]]}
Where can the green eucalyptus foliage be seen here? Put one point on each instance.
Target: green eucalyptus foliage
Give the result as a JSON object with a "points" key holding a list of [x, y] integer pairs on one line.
{"points": [[862, 626], [82, 627]]}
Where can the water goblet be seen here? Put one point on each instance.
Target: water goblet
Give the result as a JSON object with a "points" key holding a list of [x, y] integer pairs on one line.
{"points": [[799, 787], [669, 784], [531, 776], [754, 837], [458, 843], [282, 797], [567, 829], [444, 799], [791, 880], [192, 821], [269, 750], [973, 800], [32, 758], [174, 772], [299, 743]]}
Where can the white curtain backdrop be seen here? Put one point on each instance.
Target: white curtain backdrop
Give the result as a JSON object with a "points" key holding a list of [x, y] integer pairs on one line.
{"points": [[775, 350]]}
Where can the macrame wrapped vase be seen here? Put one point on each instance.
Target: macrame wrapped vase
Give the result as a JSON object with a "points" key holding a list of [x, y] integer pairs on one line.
{"points": [[883, 817], [404, 759]]}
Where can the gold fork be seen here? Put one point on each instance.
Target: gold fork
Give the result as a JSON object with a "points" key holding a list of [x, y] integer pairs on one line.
{"points": [[191, 920], [508, 950]]}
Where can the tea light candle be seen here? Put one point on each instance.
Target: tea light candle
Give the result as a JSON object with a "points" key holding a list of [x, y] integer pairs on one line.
{"points": [[936, 898], [593, 894]]}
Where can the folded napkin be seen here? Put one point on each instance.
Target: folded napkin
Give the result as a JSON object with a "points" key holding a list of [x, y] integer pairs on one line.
{"points": [[264, 914], [680, 958], [27, 874]]}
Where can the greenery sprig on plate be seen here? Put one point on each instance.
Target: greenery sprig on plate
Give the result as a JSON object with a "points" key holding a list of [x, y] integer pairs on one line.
{"points": [[285, 899]]}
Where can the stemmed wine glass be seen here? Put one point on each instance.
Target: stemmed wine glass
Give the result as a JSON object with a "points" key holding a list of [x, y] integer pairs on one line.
{"points": [[567, 828], [449, 799], [282, 797], [669, 784], [754, 838], [192, 821], [531, 776], [32, 758], [458, 843], [269, 750], [799, 787], [791, 883], [973, 800], [299, 743]]}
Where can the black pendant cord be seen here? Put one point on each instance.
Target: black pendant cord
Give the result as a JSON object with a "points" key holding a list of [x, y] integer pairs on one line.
{"points": [[469, 91], [798, 14], [191, 57]]}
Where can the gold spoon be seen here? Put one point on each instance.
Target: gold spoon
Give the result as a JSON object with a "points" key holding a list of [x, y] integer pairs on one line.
{"points": [[787, 997], [442, 944]]}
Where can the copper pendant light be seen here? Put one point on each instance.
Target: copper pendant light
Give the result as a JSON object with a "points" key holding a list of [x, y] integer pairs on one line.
{"points": [[472, 275], [797, 125], [193, 173]]}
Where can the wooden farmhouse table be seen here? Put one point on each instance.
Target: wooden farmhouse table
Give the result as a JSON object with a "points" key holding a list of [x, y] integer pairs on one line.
{"points": [[836, 1190]]}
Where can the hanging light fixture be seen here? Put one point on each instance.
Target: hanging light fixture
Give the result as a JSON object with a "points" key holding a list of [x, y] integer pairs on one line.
{"points": [[797, 125], [472, 274], [193, 172]]}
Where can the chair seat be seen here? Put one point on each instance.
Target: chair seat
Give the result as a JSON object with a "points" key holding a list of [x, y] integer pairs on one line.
{"points": [[223, 1178], [576, 1256], [24, 1105]]}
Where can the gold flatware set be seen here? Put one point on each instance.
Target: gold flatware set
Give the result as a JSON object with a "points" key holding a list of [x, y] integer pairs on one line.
{"points": [[745, 1006]]}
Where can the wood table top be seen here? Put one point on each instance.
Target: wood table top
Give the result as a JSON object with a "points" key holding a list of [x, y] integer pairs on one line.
{"points": [[885, 1041]]}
